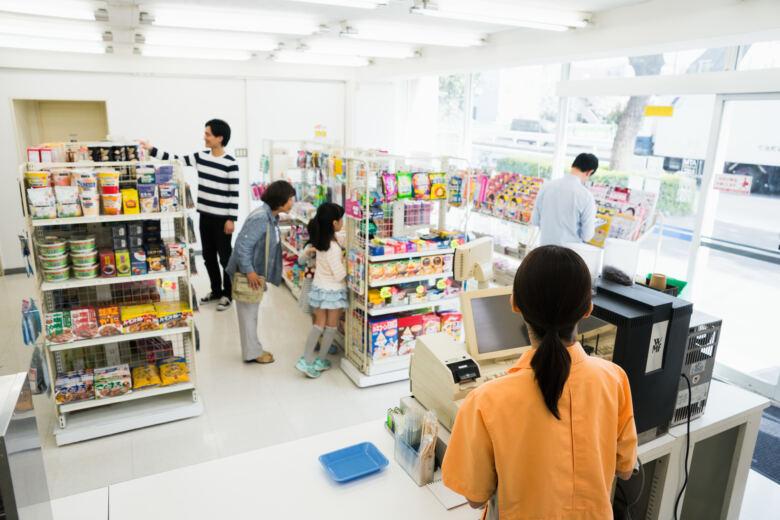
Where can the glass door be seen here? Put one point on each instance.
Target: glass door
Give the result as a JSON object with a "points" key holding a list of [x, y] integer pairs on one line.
{"points": [[737, 266]]}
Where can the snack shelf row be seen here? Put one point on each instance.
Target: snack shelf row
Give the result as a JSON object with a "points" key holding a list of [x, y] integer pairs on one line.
{"points": [[415, 254], [99, 219], [409, 279], [102, 340], [94, 282], [394, 309], [130, 396]]}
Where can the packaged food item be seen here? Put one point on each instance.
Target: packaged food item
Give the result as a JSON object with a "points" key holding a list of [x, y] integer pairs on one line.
{"points": [[123, 265], [147, 193], [84, 320], [109, 182], [112, 203], [156, 349], [138, 318], [43, 204], [175, 248], [145, 376], [172, 315], [58, 328], [431, 324], [405, 187], [54, 262], [456, 190], [82, 259], [452, 324], [109, 322], [85, 179], [409, 327], [438, 186], [112, 381], [155, 260], [56, 275], [173, 370], [135, 242], [384, 338], [82, 243], [107, 263], [390, 186], [51, 246], [67, 201], [90, 203], [37, 179], [120, 243], [130, 201], [169, 197], [60, 177], [176, 263], [135, 229], [118, 231], [164, 174], [138, 261], [74, 386], [144, 175], [422, 185]]}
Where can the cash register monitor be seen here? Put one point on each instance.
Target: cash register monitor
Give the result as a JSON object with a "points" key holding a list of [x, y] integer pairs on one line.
{"points": [[492, 329]]}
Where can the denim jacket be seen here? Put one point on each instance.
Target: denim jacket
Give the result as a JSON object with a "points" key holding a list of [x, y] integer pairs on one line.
{"points": [[249, 251]]}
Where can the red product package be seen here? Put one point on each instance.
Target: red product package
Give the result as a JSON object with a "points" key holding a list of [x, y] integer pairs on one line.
{"points": [[409, 327], [107, 263], [431, 323], [452, 324], [84, 321], [109, 323]]}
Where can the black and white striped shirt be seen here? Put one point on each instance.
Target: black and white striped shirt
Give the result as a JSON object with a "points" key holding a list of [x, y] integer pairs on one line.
{"points": [[217, 181]]}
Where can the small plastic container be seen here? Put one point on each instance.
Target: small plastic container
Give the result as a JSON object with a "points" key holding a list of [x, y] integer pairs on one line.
{"points": [[49, 247], [37, 179], [592, 256], [82, 259], [83, 272], [56, 275], [353, 462], [623, 255], [54, 262], [82, 244]]}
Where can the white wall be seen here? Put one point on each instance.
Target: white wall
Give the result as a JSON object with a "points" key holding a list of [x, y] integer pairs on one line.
{"points": [[169, 112]]}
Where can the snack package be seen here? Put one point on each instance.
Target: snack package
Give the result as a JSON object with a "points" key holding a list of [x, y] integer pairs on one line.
{"points": [[146, 376], [438, 186], [173, 370], [107, 263], [90, 203], [384, 338], [155, 260], [130, 201], [109, 322], [74, 386], [37, 179], [138, 261], [84, 320], [164, 174], [135, 229], [169, 197], [147, 193], [67, 201], [109, 182], [58, 327], [452, 324], [390, 186], [85, 179], [123, 265], [138, 318], [456, 191], [409, 327], [144, 175], [431, 324], [60, 177], [176, 263], [405, 189], [422, 185], [42, 203], [172, 315], [112, 381], [175, 248], [112, 203]]}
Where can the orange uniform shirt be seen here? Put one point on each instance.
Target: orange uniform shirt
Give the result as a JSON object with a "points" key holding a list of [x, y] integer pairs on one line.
{"points": [[506, 441]]}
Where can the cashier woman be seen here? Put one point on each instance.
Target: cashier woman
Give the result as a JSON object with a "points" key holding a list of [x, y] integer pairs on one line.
{"points": [[545, 441]]}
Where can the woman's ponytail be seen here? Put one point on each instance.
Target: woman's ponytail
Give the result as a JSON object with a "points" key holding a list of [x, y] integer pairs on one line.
{"points": [[320, 227], [551, 364]]}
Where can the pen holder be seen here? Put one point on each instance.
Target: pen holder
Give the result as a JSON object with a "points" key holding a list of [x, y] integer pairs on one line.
{"points": [[419, 466]]}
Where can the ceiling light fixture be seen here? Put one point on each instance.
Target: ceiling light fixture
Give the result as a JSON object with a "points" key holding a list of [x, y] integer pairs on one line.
{"points": [[405, 33], [357, 4], [308, 58], [501, 13], [345, 47], [50, 28], [73, 9], [232, 20], [209, 39], [192, 53], [14, 41]]}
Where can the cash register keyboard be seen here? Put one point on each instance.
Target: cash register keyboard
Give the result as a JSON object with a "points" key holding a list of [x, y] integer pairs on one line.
{"points": [[494, 375]]}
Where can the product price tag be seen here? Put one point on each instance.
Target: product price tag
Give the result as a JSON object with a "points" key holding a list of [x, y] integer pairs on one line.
{"points": [[441, 284], [420, 289], [454, 244], [385, 293]]}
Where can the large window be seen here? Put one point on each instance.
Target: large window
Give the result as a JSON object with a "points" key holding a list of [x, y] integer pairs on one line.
{"points": [[668, 63], [762, 55]]}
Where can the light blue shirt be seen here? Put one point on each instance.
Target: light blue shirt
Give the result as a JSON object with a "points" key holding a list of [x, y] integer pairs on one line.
{"points": [[565, 211]]}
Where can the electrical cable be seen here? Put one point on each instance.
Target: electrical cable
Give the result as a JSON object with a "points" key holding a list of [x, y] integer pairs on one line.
{"points": [[641, 487], [687, 447], [625, 500]]}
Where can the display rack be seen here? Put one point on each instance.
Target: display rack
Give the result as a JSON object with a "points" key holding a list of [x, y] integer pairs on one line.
{"points": [[87, 419]]}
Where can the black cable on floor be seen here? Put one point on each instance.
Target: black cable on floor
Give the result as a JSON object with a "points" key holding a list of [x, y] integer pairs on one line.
{"points": [[687, 447]]}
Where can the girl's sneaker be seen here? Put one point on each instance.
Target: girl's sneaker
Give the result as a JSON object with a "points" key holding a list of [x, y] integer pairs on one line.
{"points": [[308, 369], [321, 364]]}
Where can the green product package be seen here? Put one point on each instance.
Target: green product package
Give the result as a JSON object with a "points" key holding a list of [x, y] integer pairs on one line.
{"points": [[405, 187]]}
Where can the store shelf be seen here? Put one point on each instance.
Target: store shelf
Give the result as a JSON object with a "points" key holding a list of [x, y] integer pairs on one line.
{"points": [[102, 340], [404, 256], [412, 307], [409, 279], [362, 380], [295, 290], [97, 219], [91, 282], [290, 248], [130, 396]]}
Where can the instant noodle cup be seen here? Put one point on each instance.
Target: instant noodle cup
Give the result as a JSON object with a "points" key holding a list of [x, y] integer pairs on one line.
{"points": [[82, 243], [82, 259], [83, 272], [54, 262], [109, 182], [37, 179], [52, 246], [56, 275]]}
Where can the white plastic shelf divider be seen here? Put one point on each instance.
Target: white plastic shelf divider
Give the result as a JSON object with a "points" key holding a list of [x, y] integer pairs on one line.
{"points": [[130, 396], [411, 307], [409, 279], [96, 219], [290, 248], [102, 340], [91, 282], [404, 256]]}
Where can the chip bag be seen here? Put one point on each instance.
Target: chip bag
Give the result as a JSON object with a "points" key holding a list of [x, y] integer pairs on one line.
{"points": [[390, 185], [438, 186], [173, 370], [422, 185], [145, 376], [405, 190]]}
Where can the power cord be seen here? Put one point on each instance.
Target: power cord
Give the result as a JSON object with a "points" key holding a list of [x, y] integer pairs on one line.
{"points": [[639, 494], [687, 447]]}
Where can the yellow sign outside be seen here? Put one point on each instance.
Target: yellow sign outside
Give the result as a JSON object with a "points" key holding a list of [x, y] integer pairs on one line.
{"points": [[654, 111]]}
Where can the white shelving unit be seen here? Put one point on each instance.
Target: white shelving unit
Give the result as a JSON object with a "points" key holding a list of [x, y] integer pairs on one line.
{"points": [[410, 279], [82, 420], [394, 309]]}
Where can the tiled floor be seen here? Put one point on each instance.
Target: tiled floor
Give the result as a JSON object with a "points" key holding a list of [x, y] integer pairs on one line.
{"points": [[246, 406]]}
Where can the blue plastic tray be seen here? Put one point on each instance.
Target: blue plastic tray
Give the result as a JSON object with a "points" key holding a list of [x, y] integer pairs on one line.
{"points": [[353, 462]]}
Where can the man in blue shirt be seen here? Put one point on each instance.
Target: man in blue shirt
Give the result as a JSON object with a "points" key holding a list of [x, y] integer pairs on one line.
{"points": [[565, 210]]}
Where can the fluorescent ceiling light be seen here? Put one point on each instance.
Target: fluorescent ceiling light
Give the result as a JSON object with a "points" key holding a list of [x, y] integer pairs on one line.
{"points": [[49, 44], [406, 33], [308, 58], [359, 48], [51, 28], [232, 20], [195, 53], [74, 9], [209, 39], [501, 13], [358, 4]]}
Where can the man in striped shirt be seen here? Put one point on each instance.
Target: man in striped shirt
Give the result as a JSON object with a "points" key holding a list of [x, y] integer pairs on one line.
{"points": [[217, 205]]}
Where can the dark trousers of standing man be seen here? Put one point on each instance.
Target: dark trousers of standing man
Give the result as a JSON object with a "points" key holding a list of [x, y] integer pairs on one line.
{"points": [[216, 243]]}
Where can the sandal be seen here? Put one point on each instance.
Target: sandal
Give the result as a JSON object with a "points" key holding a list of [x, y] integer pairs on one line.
{"points": [[266, 358]]}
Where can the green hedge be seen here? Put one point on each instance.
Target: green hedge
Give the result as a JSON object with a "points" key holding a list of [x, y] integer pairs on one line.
{"points": [[542, 167]]}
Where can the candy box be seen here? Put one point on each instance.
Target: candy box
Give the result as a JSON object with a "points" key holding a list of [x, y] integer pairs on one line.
{"points": [[175, 248], [177, 263], [118, 231], [138, 261], [123, 265], [409, 327], [138, 318], [130, 201], [135, 229], [452, 324], [84, 320], [431, 324], [384, 338], [58, 327], [107, 263], [172, 315], [109, 322], [155, 261], [135, 242], [164, 174]]}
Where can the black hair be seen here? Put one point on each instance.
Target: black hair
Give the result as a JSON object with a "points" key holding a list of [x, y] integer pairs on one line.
{"points": [[277, 194], [219, 128], [586, 162], [552, 290], [321, 230]]}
